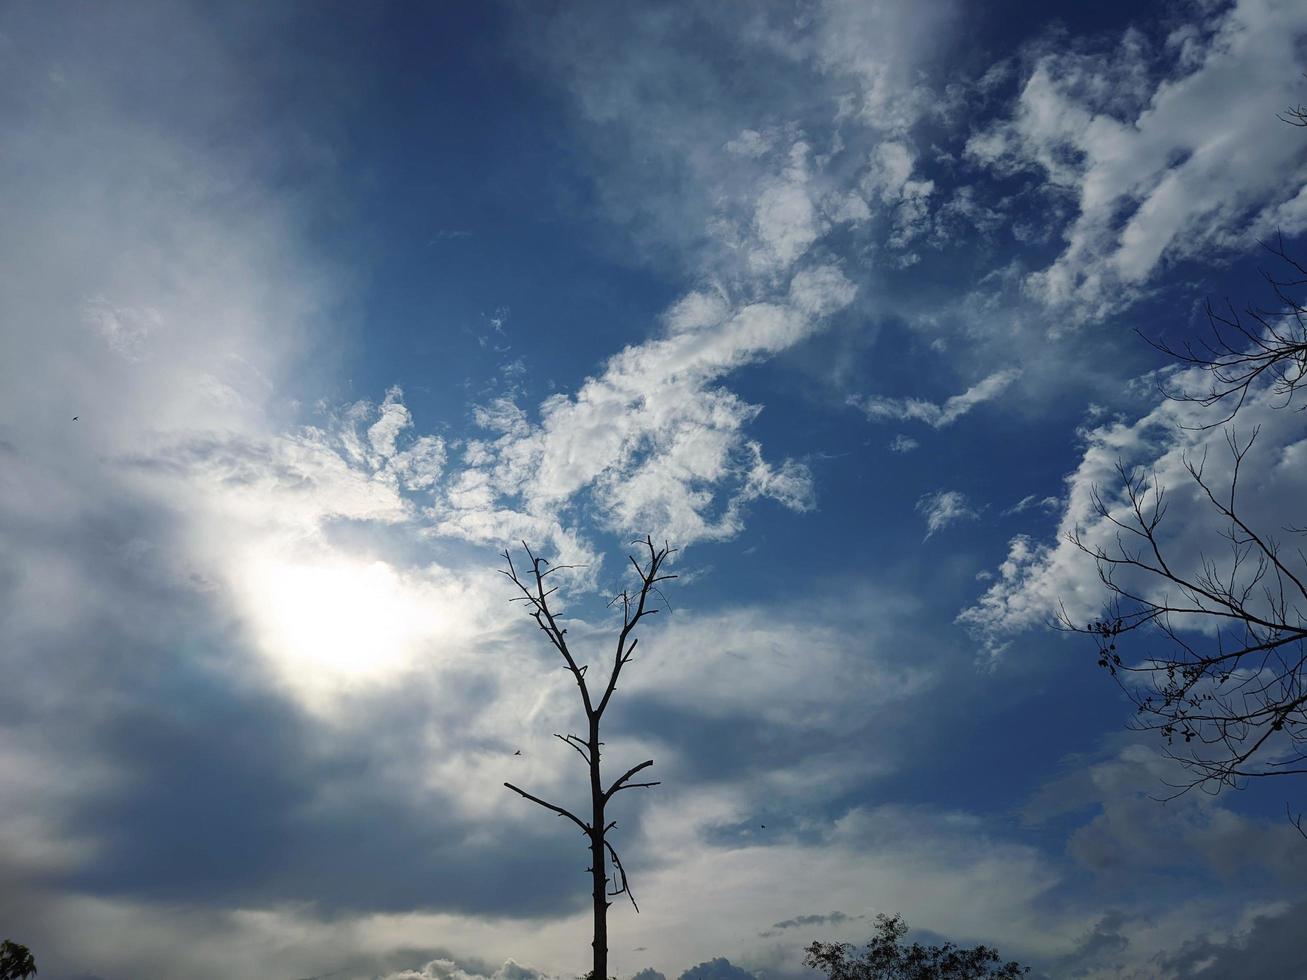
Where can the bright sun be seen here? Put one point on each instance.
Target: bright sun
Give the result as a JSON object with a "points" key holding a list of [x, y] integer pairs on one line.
{"points": [[335, 623]]}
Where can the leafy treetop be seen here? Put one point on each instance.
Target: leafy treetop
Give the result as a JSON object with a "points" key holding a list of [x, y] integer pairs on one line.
{"points": [[887, 959], [16, 961]]}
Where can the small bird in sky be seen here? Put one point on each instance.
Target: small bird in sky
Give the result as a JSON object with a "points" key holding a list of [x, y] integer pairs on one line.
{"points": [[763, 826], [518, 752], [75, 417]]}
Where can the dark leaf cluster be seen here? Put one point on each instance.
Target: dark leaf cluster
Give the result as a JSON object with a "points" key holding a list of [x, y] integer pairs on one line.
{"points": [[16, 962], [888, 958]]}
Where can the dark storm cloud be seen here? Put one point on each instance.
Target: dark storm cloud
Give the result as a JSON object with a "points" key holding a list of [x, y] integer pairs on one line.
{"points": [[224, 792], [230, 797], [1271, 949], [1105, 946], [829, 919]]}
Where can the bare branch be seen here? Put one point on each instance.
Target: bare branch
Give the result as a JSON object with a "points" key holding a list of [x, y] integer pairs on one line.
{"points": [[633, 610], [1229, 709], [538, 599], [621, 782], [577, 743], [1258, 346], [585, 827], [622, 886], [1295, 115]]}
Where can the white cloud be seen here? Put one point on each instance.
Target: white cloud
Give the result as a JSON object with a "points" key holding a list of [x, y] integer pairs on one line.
{"points": [[1039, 578], [880, 48], [657, 443], [1030, 502], [879, 409], [795, 667], [1187, 165], [324, 550], [944, 508], [193, 273], [444, 969], [821, 290], [124, 330], [1132, 830], [712, 901], [1128, 830], [889, 177], [903, 444], [766, 151], [785, 221], [750, 143]]}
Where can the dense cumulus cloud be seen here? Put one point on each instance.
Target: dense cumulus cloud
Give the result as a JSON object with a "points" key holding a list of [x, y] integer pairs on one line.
{"points": [[1154, 141]]}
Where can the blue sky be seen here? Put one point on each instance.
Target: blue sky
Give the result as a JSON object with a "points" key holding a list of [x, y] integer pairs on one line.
{"points": [[843, 299]]}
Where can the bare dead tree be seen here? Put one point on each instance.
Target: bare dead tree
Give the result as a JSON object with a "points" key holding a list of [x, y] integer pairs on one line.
{"points": [[635, 605], [1261, 345], [1229, 706]]}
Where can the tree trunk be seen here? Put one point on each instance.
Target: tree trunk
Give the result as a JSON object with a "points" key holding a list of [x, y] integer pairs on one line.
{"points": [[598, 860], [634, 608]]}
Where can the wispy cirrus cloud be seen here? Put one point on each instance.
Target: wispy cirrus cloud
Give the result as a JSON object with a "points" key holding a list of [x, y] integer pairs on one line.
{"points": [[775, 151], [944, 508], [936, 415], [1032, 501]]}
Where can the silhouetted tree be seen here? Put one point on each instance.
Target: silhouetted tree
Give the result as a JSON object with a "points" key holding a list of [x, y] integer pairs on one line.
{"points": [[635, 606], [1227, 691], [1264, 344], [1232, 703], [887, 959], [16, 961]]}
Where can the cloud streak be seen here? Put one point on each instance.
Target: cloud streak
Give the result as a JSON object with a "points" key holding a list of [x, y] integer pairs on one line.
{"points": [[936, 415]]}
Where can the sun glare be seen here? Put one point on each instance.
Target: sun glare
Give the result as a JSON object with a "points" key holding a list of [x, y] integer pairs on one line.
{"points": [[333, 624]]}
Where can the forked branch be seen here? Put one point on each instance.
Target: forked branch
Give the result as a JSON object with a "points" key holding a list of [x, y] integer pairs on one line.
{"points": [[621, 782]]}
